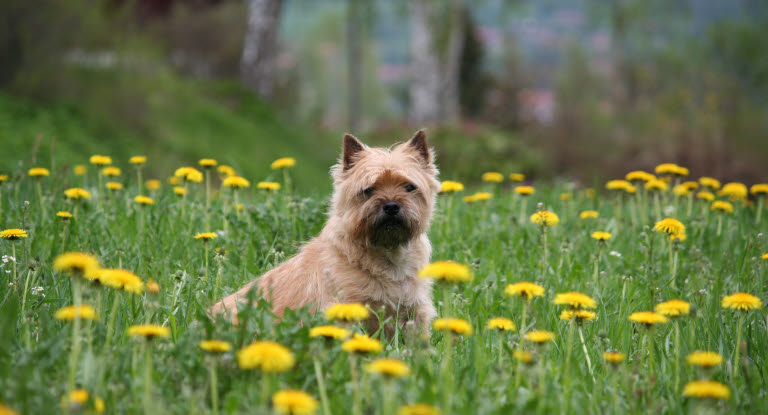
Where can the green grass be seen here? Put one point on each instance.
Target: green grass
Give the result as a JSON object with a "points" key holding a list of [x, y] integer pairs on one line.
{"points": [[35, 349]]}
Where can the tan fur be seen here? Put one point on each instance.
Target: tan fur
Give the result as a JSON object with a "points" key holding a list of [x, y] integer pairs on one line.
{"points": [[353, 259]]}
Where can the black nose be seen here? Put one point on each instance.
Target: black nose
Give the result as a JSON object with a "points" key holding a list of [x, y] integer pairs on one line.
{"points": [[391, 208]]}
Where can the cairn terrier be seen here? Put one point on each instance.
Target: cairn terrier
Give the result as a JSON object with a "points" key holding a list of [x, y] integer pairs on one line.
{"points": [[373, 244]]}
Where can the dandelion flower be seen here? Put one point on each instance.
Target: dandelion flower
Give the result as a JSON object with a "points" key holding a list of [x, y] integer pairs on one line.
{"points": [[273, 186], [77, 193], [742, 302], [671, 169], [539, 336], [454, 325], [493, 177], [360, 343], [329, 332], [236, 182], [189, 174], [149, 331], [588, 214], [152, 287], [722, 206], [575, 300], [449, 186], [71, 312], [75, 263], [80, 170], [206, 236], [111, 171], [144, 200], [617, 185], [765, 256], [734, 191], [601, 236], [38, 172], [137, 160], [648, 318], [673, 308], [122, 280], [710, 182], [173, 180], [226, 171], [215, 346], [522, 356], [294, 402], [681, 190], [524, 289], [760, 189], [207, 163], [670, 226], [480, 196], [114, 186], [266, 356], [704, 359], [639, 175], [579, 315], [283, 163], [565, 196], [691, 185], [152, 184], [705, 195], [525, 190], [64, 214], [516, 177], [100, 160], [347, 312], [389, 367], [545, 218], [13, 234], [614, 357], [501, 324], [448, 271], [656, 185], [179, 191], [706, 389]]}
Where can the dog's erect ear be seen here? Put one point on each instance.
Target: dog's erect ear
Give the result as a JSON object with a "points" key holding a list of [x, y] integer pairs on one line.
{"points": [[419, 144], [352, 149]]}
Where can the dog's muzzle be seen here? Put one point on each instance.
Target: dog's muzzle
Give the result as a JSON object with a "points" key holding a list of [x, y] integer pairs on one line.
{"points": [[390, 230]]}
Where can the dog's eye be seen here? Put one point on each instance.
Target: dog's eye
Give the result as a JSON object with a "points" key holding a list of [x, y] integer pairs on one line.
{"points": [[369, 191], [410, 187]]}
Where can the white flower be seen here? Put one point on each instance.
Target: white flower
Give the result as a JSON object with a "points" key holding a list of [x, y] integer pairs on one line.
{"points": [[669, 210], [37, 290], [614, 253]]}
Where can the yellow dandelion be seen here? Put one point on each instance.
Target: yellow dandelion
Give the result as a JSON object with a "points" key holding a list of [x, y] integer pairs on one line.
{"points": [[639, 176], [710, 182], [236, 182], [111, 171], [673, 308], [524, 289], [578, 315], [648, 318], [706, 389], [179, 191], [206, 236], [617, 185], [601, 236], [152, 287], [516, 177], [173, 180], [667, 168], [3, 178], [760, 189], [13, 234], [71, 312], [360, 343], [208, 163], [153, 184], [680, 237], [545, 218], [525, 190], [691, 185], [38, 172], [137, 160], [80, 170], [189, 174], [389, 367], [765, 256], [448, 271], [722, 206], [226, 171], [493, 177], [144, 200], [566, 196], [704, 359], [705, 195], [294, 402], [121, 279], [347, 312], [273, 186], [100, 160], [656, 185], [614, 357], [454, 325], [588, 214], [7, 410], [215, 346], [681, 190], [742, 302], [329, 332], [64, 214], [76, 263], [670, 226], [266, 356], [539, 336], [149, 331], [523, 356], [575, 300], [114, 186], [77, 193], [734, 191], [283, 163], [501, 324], [449, 186]]}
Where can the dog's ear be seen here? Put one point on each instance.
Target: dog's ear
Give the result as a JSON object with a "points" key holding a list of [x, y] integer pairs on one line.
{"points": [[419, 144], [352, 149]]}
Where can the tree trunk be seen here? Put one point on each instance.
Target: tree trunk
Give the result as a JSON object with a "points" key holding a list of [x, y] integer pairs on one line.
{"points": [[451, 107], [425, 69], [354, 64], [257, 65]]}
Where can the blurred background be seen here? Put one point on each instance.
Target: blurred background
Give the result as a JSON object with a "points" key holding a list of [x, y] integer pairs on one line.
{"points": [[582, 89]]}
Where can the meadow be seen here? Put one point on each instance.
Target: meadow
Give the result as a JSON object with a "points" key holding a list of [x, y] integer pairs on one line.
{"points": [[565, 271]]}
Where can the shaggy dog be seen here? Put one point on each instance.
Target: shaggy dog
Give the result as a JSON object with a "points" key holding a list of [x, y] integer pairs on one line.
{"points": [[373, 244]]}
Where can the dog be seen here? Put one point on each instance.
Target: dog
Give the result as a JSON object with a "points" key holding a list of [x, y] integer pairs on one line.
{"points": [[373, 243]]}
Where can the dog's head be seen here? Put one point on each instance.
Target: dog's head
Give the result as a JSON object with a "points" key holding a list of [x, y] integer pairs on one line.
{"points": [[384, 196]]}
